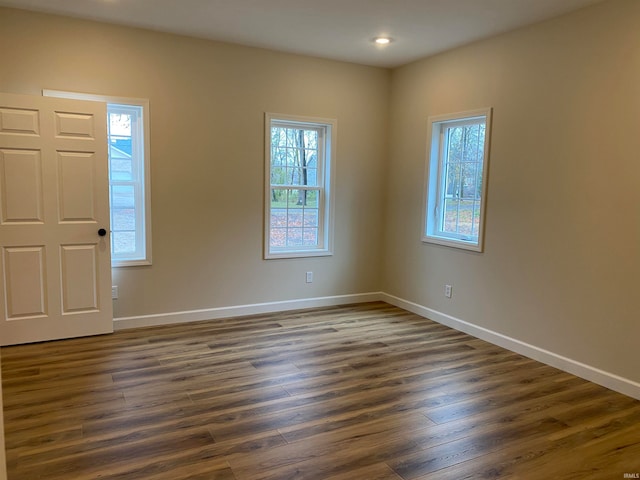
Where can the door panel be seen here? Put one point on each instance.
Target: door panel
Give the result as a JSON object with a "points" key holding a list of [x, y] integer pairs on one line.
{"points": [[55, 272], [76, 177], [19, 121], [26, 293], [79, 278], [75, 125], [21, 173]]}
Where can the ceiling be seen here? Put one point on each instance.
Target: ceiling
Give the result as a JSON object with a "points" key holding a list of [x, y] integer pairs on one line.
{"points": [[335, 29]]}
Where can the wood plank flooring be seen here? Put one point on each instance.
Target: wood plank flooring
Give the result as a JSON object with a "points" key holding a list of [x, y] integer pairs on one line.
{"points": [[360, 392]]}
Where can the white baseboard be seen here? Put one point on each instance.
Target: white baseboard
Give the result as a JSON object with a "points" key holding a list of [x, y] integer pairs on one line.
{"points": [[601, 377], [595, 375], [241, 310]]}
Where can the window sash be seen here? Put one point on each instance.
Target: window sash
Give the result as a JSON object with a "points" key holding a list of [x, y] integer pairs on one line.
{"points": [[319, 187], [139, 234], [320, 149], [318, 225], [444, 164]]}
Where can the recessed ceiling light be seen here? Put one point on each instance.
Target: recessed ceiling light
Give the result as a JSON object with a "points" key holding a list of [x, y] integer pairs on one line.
{"points": [[382, 40]]}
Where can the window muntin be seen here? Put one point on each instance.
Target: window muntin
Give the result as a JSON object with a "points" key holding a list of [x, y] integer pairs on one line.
{"points": [[298, 164], [129, 176], [457, 173]]}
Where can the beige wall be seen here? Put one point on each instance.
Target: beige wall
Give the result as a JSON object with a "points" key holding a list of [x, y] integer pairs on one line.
{"points": [[561, 267], [207, 103]]}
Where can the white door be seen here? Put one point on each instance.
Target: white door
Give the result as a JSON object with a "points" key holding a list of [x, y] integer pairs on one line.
{"points": [[55, 277]]}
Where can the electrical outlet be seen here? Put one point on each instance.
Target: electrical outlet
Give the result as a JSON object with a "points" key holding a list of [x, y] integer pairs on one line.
{"points": [[309, 277], [114, 292], [448, 291]]}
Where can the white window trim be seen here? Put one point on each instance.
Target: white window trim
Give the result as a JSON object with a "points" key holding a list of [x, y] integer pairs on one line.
{"points": [[147, 160], [326, 197], [433, 175]]}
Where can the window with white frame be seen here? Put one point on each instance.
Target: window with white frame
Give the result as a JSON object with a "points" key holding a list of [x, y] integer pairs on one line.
{"points": [[129, 192], [299, 155], [126, 178], [456, 183]]}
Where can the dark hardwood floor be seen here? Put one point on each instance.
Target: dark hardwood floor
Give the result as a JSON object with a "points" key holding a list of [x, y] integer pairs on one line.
{"points": [[364, 392]]}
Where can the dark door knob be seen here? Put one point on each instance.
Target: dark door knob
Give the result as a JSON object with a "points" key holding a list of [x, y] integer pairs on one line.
{"points": [[102, 232]]}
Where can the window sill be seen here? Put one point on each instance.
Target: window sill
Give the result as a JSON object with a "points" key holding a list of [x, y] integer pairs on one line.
{"points": [[129, 263], [451, 242], [297, 254]]}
